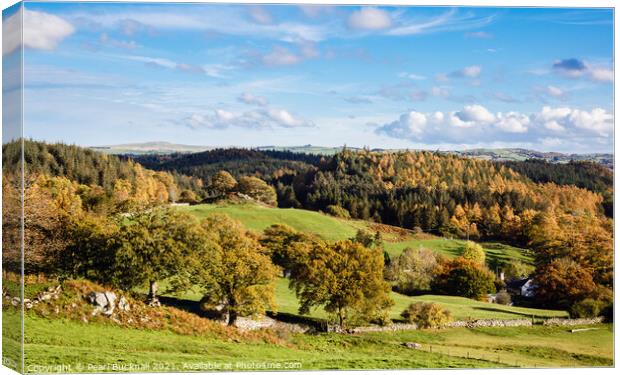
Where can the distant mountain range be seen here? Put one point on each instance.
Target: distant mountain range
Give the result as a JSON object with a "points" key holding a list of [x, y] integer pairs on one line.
{"points": [[150, 148], [517, 154], [499, 154]]}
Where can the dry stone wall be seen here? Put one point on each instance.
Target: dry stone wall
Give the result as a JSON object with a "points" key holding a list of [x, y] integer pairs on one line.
{"points": [[573, 322], [491, 323]]}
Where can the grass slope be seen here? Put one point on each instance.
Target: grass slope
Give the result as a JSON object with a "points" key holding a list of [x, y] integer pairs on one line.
{"points": [[461, 308], [497, 253], [85, 347], [258, 218]]}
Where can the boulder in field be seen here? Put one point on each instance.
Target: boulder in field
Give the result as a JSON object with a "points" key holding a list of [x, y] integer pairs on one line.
{"points": [[103, 302], [412, 345], [123, 305]]}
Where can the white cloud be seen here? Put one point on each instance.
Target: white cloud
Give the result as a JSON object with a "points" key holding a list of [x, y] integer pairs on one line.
{"points": [[190, 68], [513, 122], [551, 142], [598, 120], [549, 114], [418, 95], [476, 113], [248, 98], [257, 119], [260, 15], [214, 70], [130, 27], [257, 22], [285, 118], [472, 71], [313, 11], [196, 121], [413, 76], [410, 124], [554, 126], [223, 115], [280, 56], [369, 18], [441, 92], [217, 70], [477, 125], [555, 91], [450, 20], [503, 97], [602, 74], [41, 31], [154, 61], [105, 39], [308, 49], [11, 33], [479, 35], [226, 20], [576, 68]]}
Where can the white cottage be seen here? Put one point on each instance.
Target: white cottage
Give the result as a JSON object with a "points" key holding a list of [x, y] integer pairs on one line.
{"points": [[523, 287]]}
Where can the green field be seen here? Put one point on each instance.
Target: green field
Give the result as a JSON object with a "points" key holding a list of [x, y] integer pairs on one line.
{"points": [[59, 344], [82, 347], [497, 253], [461, 308], [257, 218]]}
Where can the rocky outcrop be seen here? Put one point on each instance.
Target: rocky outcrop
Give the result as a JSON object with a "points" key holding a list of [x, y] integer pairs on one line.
{"points": [[123, 304], [105, 303], [51, 293]]}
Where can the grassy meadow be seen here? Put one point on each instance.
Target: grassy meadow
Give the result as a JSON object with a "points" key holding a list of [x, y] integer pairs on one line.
{"points": [[156, 350], [146, 350], [257, 217], [460, 307]]}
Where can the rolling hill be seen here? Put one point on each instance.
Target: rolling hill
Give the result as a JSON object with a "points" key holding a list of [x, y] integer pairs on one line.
{"points": [[494, 154], [149, 148], [257, 217]]}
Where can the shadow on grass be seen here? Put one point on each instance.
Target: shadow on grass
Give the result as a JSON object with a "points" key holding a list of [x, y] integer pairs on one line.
{"points": [[194, 308], [183, 304]]}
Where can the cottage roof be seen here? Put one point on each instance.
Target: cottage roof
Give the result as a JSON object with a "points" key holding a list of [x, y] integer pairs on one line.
{"points": [[517, 284]]}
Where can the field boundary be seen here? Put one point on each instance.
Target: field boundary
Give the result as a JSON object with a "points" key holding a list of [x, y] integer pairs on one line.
{"points": [[478, 323]]}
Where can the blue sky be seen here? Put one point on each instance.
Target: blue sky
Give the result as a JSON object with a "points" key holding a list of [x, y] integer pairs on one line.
{"points": [[392, 77]]}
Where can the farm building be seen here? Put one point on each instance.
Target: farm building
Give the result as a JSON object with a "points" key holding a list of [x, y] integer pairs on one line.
{"points": [[521, 287]]}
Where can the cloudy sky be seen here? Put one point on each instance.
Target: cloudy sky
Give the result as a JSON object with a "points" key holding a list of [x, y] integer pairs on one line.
{"points": [[391, 77]]}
